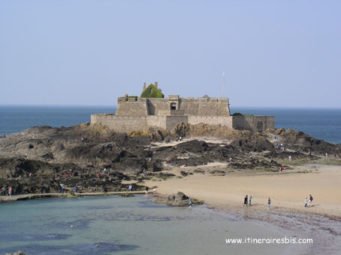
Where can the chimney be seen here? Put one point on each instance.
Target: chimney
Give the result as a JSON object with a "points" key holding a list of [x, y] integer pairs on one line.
{"points": [[156, 85], [144, 85]]}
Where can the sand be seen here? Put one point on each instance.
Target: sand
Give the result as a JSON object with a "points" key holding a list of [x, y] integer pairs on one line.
{"points": [[287, 189]]}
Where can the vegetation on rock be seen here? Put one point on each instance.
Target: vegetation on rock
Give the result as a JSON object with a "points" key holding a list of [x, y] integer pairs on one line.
{"points": [[152, 91]]}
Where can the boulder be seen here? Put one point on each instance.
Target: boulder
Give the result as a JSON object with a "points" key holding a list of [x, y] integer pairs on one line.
{"points": [[178, 199]]}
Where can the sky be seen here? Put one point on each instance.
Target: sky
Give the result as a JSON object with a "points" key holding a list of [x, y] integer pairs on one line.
{"points": [[257, 53]]}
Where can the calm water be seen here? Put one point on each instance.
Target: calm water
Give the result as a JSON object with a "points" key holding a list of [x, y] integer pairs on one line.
{"points": [[136, 225], [321, 123], [17, 118]]}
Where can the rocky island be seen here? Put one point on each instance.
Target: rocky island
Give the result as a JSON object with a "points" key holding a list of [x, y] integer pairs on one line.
{"points": [[95, 157]]}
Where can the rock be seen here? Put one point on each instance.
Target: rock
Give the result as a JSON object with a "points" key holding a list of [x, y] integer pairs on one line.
{"points": [[194, 146], [183, 173], [253, 144], [301, 142], [218, 172], [179, 199], [157, 166]]}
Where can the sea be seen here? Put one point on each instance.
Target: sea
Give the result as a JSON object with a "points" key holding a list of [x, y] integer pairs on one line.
{"points": [[138, 225], [321, 123]]}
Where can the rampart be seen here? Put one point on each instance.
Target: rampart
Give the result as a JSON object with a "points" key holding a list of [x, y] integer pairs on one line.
{"points": [[140, 114]]}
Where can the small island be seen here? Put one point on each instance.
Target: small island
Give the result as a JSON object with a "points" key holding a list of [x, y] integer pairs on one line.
{"points": [[153, 138]]}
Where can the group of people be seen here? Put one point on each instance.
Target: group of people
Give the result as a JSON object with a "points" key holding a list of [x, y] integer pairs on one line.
{"points": [[248, 200], [308, 201], [9, 190]]}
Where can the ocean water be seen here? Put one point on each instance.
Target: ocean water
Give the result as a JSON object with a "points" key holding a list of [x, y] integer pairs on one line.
{"points": [[18, 118], [321, 123], [135, 225]]}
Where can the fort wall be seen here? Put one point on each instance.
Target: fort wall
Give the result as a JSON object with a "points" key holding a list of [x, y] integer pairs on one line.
{"points": [[132, 108], [253, 123], [120, 123], [205, 106], [173, 121], [157, 122], [211, 120], [139, 114]]}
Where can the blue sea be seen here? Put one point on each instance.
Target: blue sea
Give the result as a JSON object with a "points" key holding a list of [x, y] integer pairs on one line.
{"points": [[131, 226], [321, 123]]}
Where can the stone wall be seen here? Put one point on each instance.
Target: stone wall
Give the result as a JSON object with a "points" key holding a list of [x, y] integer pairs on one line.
{"points": [[132, 108], [173, 121], [120, 123], [158, 106], [253, 123], [157, 122], [211, 120], [205, 106], [140, 114], [161, 106]]}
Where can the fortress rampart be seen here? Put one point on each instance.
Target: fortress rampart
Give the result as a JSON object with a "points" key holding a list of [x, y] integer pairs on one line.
{"points": [[140, 114]]}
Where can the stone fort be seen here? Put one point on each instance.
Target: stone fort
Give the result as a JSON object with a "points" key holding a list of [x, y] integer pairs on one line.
{"points": [[140, 114]]}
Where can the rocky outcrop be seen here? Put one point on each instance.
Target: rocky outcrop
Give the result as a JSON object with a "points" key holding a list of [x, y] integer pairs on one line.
{"points": [[180, 200], [301, 142], [92, 158]]}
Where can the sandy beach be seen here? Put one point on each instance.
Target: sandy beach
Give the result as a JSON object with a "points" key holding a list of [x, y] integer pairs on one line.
{"points": [[287, 189]]}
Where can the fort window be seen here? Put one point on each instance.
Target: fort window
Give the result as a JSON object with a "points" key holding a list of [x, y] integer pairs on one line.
{"points": [[173, 106]]}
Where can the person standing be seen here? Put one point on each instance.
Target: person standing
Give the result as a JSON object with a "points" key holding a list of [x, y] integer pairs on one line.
{"points": [[245, 200], [311, 199], [10, 190], [250, 200], [269, 202], [306, 202]]}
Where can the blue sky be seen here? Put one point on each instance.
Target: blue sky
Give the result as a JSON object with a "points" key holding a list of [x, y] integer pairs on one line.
{"points": [[258, 53]]}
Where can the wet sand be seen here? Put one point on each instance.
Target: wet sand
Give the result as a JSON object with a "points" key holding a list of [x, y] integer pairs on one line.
{"points": [[65, 195]]}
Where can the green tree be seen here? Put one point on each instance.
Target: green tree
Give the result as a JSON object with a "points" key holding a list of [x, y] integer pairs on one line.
{"points": [[152, 91]]}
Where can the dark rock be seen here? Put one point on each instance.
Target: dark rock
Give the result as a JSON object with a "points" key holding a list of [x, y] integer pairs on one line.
{"points": [[157, 166], [183, 173], [179, 199], [253, 144], [218, 172], [194, 146]]}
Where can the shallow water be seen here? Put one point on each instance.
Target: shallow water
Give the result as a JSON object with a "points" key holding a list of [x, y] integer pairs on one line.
{"points": [[136, 225]]}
